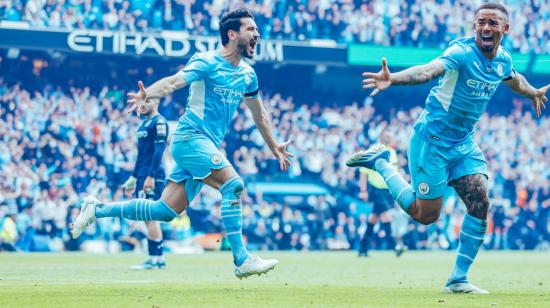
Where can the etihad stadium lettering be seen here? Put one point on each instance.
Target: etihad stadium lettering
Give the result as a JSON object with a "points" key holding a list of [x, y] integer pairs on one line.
{"points": [[170, 44]]}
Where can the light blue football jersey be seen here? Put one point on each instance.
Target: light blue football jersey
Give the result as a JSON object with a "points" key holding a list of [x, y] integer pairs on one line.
{"points": [[455, 105], [216, 90]]}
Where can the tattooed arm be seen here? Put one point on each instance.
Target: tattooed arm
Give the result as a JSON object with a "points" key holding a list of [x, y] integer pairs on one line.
{"points": [[411, 76]]}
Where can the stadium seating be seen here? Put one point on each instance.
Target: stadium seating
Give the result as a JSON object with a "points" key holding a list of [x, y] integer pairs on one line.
{"points": [[56, 156], [396, 23]]}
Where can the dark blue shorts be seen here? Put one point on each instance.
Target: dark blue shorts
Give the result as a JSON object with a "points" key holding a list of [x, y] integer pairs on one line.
{"points": [[381, 200]]}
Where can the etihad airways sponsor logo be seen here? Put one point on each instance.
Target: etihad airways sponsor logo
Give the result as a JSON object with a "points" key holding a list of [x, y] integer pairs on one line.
{"points": [[482, 88], [171, 44]]}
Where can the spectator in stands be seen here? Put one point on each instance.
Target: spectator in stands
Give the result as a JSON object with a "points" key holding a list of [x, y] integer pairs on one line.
{"points": [[55, 154], [396, 23]]}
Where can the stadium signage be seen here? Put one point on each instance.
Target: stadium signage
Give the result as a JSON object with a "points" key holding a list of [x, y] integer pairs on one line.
{"points": [[168, 44], [172, 44]]}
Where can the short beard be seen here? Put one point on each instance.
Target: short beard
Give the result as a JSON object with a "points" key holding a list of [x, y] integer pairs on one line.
{"points": [[488, 49], [244, 52]]}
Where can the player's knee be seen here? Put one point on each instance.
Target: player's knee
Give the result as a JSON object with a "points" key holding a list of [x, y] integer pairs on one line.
{"points": [[428, 218], [479, 208], [232, 188]]}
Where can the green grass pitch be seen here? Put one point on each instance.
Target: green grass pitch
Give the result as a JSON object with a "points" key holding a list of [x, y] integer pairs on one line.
{"points": [[515, 279]]}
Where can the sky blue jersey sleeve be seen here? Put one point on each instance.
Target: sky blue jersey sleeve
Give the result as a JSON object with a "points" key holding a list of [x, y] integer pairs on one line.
{"points": [[453, 57], [509, 71], [251, 84], [196, 69]]}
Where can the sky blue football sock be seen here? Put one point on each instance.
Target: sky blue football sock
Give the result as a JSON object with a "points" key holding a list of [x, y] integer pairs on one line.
{"points": [[472, 234], [401, 191], [137, 209], [231, 212]]}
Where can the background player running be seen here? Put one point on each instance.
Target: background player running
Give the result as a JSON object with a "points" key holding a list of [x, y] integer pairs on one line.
{"points": [[219, 80], [148, 178], [442, 150]]}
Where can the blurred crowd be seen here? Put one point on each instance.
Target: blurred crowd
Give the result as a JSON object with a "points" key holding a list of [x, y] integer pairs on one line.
{"points": [[397, 23], [60, 145]]}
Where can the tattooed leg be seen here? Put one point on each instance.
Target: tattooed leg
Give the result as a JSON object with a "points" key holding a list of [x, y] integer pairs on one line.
{"points": [[472, 189]]}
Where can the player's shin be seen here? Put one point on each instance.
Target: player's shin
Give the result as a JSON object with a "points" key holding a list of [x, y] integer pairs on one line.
{"points": [[231, 212], [137, 209], [471, 238], [386, 226], [401, 191]]}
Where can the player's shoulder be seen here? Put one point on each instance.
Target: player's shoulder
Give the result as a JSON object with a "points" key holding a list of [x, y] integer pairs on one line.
{"points": [[505, 53], [463, 44], [161, 125], [157, 120], [207, 56], [160, 119], [246, 67]]}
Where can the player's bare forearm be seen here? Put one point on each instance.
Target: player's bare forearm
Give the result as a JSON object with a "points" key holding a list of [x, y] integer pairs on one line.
{"points": [[263, 123], [418, 74], [521, 86], [262, 120], [165, 86]]}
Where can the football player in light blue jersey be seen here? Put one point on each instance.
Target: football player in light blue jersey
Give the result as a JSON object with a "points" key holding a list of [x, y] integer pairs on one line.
{"points": [[442, 150], [219, 81]]}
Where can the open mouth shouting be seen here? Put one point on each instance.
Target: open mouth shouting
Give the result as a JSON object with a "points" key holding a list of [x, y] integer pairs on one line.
{"points": [[487, 40], [251, 48]]}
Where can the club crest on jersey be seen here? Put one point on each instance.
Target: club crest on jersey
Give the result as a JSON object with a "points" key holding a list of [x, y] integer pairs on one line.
{"points": [[499, 69], [216, 159], [423, 188]]}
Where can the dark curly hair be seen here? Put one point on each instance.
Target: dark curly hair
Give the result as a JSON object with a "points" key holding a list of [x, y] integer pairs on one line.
{"points": [[232, 21]]}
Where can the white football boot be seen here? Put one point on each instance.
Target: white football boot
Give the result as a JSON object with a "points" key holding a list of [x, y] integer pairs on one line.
{"points": [[86, 216], [254, 265], [464, 287]]}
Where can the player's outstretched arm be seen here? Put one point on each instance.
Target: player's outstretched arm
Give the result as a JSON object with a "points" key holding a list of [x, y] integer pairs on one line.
{"points": [[413, 75], [520, 85], [160, 88], [263, 123]]}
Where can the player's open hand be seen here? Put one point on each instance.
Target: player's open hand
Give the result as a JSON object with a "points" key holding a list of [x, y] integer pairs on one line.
{"points": [[136, 100], [282, 155], [380, 81], [540, 100], [130, 184]]}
